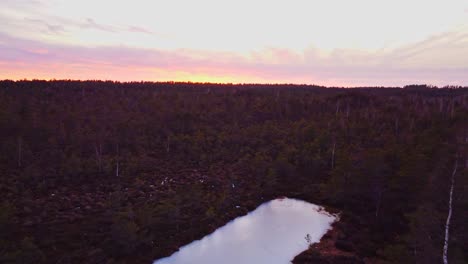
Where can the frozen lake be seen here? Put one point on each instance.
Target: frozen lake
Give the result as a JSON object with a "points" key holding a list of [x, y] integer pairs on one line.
{"points": [[274, 233]]}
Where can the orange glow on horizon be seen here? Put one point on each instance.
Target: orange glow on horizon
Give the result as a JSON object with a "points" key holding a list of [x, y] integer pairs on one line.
{"points": [[76, 72], [95, 71]]}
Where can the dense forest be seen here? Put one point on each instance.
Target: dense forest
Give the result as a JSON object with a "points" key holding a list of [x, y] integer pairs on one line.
{"points": [[108, 172]]}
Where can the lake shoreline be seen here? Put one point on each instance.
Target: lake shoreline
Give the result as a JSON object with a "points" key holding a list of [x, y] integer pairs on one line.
{"points": [[275, 232]]}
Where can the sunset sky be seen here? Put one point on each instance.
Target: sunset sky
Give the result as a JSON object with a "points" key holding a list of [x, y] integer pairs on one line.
{"points": [[325, 42]]}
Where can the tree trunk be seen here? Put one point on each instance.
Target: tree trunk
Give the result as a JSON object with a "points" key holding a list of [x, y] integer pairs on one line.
{"points": [[98, 156], [347, 111], [117, 169], [333, 155], [337, 108], [20, 150], [449, 216], [168, 144], [452, 109], [117, 163]]}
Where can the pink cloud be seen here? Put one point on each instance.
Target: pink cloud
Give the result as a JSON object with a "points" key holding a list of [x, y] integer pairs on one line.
{"points": [[28, 59]]}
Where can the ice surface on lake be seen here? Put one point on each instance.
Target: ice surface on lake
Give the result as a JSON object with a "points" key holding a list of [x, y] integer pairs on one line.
{"points": [[275, 232]]}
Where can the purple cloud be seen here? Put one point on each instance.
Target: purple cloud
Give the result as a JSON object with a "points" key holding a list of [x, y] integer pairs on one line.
{"points": [[91, 24], [342, 67], [61, 25], [49, 28]]}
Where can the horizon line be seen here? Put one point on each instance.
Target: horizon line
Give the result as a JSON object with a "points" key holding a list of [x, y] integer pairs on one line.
{"points": [[234, 83]]}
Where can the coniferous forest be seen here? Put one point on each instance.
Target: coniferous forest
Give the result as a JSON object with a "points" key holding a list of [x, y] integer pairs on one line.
{"points": [[109, 172]]}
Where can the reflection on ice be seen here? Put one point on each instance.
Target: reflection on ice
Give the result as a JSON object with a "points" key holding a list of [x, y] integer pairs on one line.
{"points": [[275, 232]]}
